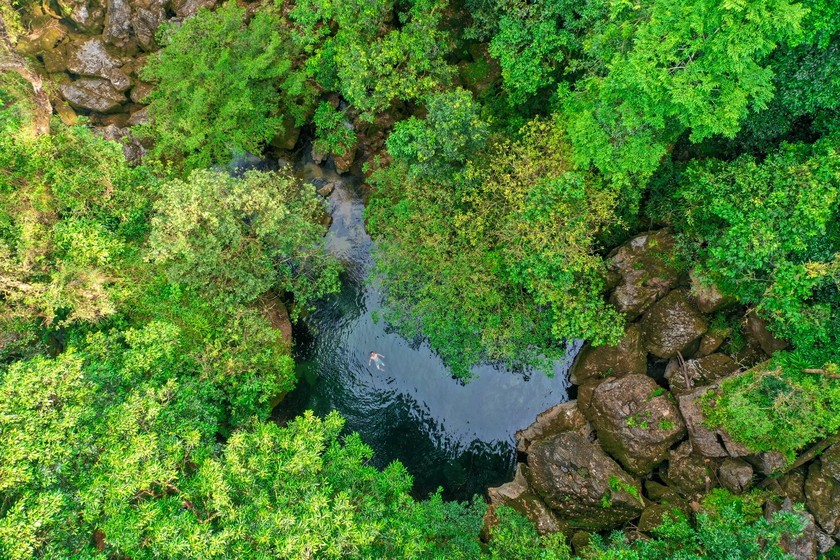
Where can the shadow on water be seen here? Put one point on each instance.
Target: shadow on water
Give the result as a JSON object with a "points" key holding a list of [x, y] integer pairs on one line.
{"points": [[449, 434]]}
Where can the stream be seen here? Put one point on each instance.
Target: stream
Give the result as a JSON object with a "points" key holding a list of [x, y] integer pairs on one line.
{"points": [[449, 434]]}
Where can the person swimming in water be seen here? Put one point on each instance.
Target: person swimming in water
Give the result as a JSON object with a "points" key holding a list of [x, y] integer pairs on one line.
{"points": [[377, 359]]}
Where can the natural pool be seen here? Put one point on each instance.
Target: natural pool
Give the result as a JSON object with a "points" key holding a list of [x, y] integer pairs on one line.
{"points": [[459, 436]]}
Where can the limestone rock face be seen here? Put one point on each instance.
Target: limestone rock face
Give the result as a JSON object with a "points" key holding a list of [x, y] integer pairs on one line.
{"points": [[92, 94], [698, 373], [636, 420], [517, 495], [641, 272], [672, 325], [586, 488], [628, 357], [564, 417]]}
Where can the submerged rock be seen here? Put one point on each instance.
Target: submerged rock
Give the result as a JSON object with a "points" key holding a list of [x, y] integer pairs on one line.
{"points": [[636, 421], [672, 325], [642, 271], [627, 357], [586, 488]]}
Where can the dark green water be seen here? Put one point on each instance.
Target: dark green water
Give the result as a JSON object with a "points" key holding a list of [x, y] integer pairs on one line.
{"points": [[448, 434]]}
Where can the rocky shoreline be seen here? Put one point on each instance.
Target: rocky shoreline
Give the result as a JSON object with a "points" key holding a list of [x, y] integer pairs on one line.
{"points": [[634, 445]]}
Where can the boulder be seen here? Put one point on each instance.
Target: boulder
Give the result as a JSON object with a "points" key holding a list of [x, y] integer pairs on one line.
{"points": [[822, 498], [627, 357], [132, 149], [517, 495], [564, 417], [792, 485], [92, 94], [139, 92], [277, 314], [756, 328], [92, 58], [636, 421], [805, 546], [831, 461], [768, 462], [653, 516], [689, 473], [672, 325], [707, 297], [88, 16], [707, 442], [711, 341], [287, 139], [141, 116], [698, 373], [665, 496], [326, 190], [344, 162], [145, 22], [642, 272], [586, 488], [117, 30], [735, 475]]}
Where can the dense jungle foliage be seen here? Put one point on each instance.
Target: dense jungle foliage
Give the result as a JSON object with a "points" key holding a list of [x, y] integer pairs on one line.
{"points": [[138, 364]]}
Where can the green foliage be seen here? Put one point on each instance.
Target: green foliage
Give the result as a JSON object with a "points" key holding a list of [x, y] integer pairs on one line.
{"points": [[333, 134], [497, 261], [223, 85], [373, 53], [70, 209], [452, 133], [727, 528], [237, 238], [669, 66], [516, 537]]}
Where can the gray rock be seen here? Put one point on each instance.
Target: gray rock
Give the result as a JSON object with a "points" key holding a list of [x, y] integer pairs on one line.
{"points": [[92, 58], [768, 462], [141, 116], [564, 417], [711, 341], [628, 357], [672, 325], [118, 23], [831, 462], [736, 475], [636, 421], [139, 92], [642, 272], [145, 21], [326, 190], [132, 149], [93, 94], [699, 372], [517, 495], [688, 473], [586, 488]]}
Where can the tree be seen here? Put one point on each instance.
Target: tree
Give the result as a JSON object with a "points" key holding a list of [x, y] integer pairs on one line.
{"points": [[237, 238], [497, 261], [223, 85]]}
